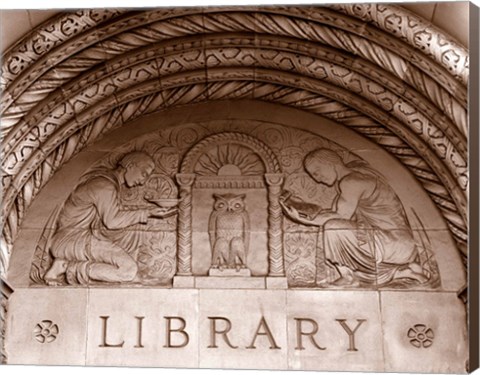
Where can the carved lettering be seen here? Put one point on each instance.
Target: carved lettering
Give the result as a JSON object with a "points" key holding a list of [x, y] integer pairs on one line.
{"points": [[350, 332], [104, 343], [266, 332], [180, 330], [214, 332], [139, 331], [311, 334]]}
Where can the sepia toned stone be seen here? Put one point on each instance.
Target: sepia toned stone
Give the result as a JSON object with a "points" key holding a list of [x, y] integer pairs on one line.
{"points": [[334, 330], [276, 283], [135, 328], [254, 335], [236, 187], [425, 339], [44, 332], [229, 282], [184, 282]]}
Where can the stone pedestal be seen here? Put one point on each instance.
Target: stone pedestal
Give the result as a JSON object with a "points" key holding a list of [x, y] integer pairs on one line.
{"points": [[276, 283], [241, 272], [184, 282], [229, 282]]}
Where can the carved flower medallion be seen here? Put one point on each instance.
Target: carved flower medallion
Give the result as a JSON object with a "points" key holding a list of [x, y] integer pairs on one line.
{"points": [[46, 331], [420, 336]]}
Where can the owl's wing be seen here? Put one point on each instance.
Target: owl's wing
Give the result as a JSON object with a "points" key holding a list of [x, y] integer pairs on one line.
{"points": [[212, 226], [246, 230]]}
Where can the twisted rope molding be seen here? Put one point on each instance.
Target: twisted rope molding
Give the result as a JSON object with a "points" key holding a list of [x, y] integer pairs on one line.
{"points": [[419, 33], [230, 90], [179, 78], [392, 19], [73, 123], [39, 128], [340, 32], [34, 86], [26, 171], [248, 51]]}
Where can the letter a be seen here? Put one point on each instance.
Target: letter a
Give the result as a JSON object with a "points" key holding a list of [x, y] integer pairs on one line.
{"points": [[267, 332]]}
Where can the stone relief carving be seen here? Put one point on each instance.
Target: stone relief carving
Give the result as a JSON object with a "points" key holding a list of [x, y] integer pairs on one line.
{"points": [[3, 314], [92, 239], [417, 76], [421, 336], [46, 332], [366, 234], [5, 293], [260, 201], [229, 231]]}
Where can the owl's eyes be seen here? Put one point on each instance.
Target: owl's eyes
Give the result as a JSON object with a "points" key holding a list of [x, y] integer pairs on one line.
{"points": [[221, 205], [238, 205]]}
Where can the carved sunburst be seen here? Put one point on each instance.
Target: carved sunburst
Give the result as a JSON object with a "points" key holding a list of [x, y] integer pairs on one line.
{"points": [[229, 160]]}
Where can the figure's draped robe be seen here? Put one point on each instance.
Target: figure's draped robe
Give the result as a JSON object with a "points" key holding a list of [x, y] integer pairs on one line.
{"points": [[92, 225], [377, 241]]}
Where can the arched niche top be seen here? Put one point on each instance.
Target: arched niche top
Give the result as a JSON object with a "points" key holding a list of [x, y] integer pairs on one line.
{"points": [[250, 118], [404, 87], [244, 144]]}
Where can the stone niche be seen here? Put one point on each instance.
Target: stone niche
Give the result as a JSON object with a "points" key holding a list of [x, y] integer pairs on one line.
{"points": [[237, 239]]}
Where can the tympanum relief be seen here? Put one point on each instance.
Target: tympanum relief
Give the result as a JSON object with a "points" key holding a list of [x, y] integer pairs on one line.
{"points": [[236, 199], [229, 231]]}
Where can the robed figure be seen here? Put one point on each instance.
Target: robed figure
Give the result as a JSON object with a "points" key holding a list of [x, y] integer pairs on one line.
{"points": [[367, 237]]}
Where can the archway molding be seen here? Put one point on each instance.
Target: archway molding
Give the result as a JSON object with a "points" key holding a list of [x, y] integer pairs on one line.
{"points": [[82, 74]]}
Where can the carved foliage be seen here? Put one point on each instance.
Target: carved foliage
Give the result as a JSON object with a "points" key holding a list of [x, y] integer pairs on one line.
{"points": [[300, 249], [179, 142], [227, 56]]}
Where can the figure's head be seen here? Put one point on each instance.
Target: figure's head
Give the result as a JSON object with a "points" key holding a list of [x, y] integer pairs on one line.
{"points": [[138, 167], [322, 164], [229, 202]]}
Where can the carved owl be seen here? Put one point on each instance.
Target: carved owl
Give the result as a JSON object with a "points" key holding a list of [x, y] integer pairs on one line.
{"points": [[229, 230]]}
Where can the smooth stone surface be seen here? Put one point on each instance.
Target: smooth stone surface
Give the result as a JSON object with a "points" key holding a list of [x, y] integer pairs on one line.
{"points": [[443, 313], [229, 282], [347, 330], [65, 308], [452, 271], [252, 117], [276, 283], [242, 272], [244, 309], [325, 308], [184, 282], [124, 309], [21, 264]]}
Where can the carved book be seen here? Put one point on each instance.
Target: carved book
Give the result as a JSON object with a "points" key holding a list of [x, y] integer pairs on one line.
{"points": [[241, 187]]}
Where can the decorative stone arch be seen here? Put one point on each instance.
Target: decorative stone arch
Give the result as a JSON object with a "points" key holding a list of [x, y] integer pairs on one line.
{"points": [[266, 154], [403, 87], [380, 73], [273, 177]]}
